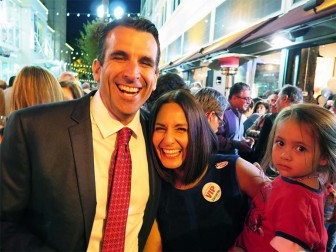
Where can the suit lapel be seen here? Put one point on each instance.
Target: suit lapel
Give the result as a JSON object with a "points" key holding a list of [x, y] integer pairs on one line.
{"points": [[81, 139], [154, 187]]}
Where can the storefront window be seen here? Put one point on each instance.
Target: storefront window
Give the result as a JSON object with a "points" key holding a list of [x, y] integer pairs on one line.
{"points": [[234, 15], [174, 50], [266, 77], [197, 36]]}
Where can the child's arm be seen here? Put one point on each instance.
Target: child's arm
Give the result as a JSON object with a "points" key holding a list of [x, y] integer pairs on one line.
{"points": [[250, 178], [283, 245]]}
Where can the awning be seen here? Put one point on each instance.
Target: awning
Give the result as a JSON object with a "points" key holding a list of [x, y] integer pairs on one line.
{"points": [[235, 38], [295, 17], [218, 46], [185, 58]]}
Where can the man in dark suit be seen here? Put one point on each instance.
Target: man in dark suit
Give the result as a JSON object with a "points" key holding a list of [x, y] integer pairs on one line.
{"points": [[55, 157]]}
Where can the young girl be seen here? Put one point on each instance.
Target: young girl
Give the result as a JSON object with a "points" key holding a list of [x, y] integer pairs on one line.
{"points": [[287, 214]]}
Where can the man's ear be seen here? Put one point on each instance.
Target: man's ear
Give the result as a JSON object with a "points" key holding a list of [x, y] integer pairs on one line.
{"points": [[155, 80], [96, 69]]}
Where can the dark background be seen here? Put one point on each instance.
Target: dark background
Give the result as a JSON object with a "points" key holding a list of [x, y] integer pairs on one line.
{"points": [[75, 24]]}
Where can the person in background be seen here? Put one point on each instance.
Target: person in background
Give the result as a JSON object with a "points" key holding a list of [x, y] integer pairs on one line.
{"points": [[231, 135], [3, 84], [34, 85], [165, 83], [2, 113], [247, 113], [309, 98], [203, 199], [55, 157], [8, 93], [2, 103], [67, 76], [261, 108], [197, 85], [287, 214], [288, 96], [86, 88], [333, 109], [214, 104], [272, 99], [71, 90], [330, 215]]}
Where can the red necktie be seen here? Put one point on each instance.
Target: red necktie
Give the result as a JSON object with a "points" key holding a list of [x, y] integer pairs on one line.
{"points": [[119, 194]]}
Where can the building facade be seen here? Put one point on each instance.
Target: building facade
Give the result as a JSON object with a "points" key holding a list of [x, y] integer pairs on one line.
{"points": [[26, 38], [261, 42]]}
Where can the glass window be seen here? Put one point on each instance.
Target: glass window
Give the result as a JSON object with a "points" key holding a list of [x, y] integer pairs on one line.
{"points": [[176, 3], [39, 34], [197, 36], [174, 50], [233, 15], [266, 78], [163, 56]]}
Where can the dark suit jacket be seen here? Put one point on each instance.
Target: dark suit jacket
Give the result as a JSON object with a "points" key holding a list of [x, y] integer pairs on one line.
{"points": [[261, 144], [48, 196]]}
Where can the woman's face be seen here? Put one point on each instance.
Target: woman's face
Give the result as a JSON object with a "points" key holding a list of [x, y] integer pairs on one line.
{"points": [[261, 109], [170, 137]]}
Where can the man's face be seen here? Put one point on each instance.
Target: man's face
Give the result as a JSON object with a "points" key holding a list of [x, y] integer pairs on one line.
{"points": [[241, 101], [272, 102], [282, 102], [128, 75]]}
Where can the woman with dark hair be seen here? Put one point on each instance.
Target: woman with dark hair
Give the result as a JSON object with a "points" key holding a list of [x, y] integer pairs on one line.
{"points": [[203, 198], [261, 107]]}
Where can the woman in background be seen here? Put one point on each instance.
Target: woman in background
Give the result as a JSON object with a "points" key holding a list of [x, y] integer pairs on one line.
{"points": [[34, 85]]}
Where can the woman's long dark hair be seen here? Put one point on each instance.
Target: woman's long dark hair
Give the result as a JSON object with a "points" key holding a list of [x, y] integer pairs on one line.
{"points": [[202, 140]]}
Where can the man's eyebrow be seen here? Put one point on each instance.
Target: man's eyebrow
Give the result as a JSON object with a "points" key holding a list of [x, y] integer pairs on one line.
{"points": [[147, 59], [118, 53]]}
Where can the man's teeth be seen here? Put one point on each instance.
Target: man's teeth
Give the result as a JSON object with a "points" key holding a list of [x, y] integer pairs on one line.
{"points": [[129, 89]]}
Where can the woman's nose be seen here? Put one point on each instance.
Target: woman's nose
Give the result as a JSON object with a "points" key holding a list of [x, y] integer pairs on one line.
{"points": [[168, 137]]}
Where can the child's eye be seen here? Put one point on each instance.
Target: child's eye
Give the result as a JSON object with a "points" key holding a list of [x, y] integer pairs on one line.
{"points": [[279, 142], [301, 149]]}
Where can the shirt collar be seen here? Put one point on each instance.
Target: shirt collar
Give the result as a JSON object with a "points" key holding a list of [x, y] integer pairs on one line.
{"points": [[235, 111], [107, 123]]}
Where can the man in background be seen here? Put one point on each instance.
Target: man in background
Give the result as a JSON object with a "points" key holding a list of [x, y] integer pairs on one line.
{"points": [[231, 135]]}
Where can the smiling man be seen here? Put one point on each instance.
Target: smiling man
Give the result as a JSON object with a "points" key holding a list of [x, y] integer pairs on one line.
{"points": [[55, 158]]}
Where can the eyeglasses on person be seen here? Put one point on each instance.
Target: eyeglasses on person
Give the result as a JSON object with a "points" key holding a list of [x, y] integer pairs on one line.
{"points": [[220, 120], [247, 99]]}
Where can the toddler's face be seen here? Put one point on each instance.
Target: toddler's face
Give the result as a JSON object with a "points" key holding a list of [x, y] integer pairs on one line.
{"points": [[296, 151]]}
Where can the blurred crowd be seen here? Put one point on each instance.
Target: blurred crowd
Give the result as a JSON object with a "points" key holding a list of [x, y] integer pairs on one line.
{"points": [[35, 85]]}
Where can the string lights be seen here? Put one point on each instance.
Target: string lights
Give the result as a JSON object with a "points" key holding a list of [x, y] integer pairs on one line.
{"points": [[85, 14]]}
